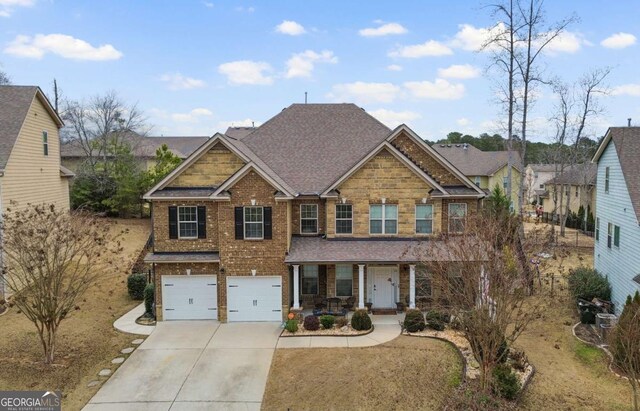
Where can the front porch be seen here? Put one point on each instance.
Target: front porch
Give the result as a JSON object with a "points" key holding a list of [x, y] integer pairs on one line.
{"points": [[340, 288]]}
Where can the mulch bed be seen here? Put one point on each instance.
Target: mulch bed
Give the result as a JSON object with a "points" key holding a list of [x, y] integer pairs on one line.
{"points": [[588, 333], [346, 331]]}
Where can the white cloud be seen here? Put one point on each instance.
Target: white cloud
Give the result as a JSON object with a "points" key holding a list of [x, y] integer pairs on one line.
{"points": [[246, 72], [291, 28], [619, 41], [177, 81], [394, 67], [208, 4], [394, 118], [222, 126], [626, 89], [463, 122], [440, 89], [192, 116], [7, 6], [472, 38], [302, 64], [566, 42], [461, 71], [383, 30], [429, 48], [242, 9], [61, 45], [363, 93]]}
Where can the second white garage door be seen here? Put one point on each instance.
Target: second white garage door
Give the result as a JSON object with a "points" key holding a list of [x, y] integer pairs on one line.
{"points": [[254, 298], [192, 297]]}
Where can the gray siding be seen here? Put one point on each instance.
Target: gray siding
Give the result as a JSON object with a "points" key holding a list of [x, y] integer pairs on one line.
{"points": [[621, 264]]}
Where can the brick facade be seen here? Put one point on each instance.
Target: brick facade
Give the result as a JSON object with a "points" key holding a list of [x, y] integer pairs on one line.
{"points": [[295, 216], [161, 241]]}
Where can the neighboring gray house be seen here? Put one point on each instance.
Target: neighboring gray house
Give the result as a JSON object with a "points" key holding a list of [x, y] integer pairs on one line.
{"points": [[617, 245]]}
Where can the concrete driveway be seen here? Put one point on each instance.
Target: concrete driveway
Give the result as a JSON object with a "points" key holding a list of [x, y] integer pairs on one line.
{"points": [[193, 365]]}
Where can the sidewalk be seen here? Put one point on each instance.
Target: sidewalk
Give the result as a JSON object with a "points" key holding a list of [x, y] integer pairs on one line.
{"points": [[127, 323], [385, 328]]}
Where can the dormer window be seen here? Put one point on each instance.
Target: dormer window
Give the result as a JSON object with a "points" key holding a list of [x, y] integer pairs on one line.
{"points": [[45, 143]]}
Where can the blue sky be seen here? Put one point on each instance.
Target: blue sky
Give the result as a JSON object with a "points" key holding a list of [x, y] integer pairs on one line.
{"points": [[195, 67]]}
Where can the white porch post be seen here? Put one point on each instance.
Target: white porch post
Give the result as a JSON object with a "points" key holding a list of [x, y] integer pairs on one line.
{"points": [[296, 287], [412, 286], [360, 286]]}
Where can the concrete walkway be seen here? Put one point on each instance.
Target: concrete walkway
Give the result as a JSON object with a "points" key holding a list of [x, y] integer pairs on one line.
{"points": [[385, 328], [127, 323], [193, 365]]}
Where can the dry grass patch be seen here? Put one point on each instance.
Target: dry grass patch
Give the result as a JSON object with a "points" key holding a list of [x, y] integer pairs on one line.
{"points": [[406, 373], [86, 341]]}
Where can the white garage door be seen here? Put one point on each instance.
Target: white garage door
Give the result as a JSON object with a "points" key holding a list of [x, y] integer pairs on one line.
{"points": [[254, 298], [193, 297]]}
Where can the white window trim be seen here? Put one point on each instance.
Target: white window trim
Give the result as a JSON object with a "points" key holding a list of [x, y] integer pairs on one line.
{"points": [[449, 217], [45, 143], [245, 222], [415, 220], [317, 211], [195, 221], [609, 235], [384, 219], [597, 229], [336, 279], [607, 180], [343, 219]]}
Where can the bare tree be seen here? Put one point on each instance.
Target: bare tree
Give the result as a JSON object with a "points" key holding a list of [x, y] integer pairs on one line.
{"points": [[478, 278], [51, 258], [624, 344], [4, 79]]}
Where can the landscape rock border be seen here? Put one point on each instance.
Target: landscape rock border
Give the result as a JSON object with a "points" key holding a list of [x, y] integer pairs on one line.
{"points": [[318, 333], [603, 347]]}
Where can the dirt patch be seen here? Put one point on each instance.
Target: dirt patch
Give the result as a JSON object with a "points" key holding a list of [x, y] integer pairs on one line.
{"points": [[87, 341], [588, 333], [406, 373]]}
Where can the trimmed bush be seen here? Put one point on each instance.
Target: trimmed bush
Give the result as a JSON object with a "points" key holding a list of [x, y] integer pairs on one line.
{"points": [[414, 321], [436, 320], [327, 321], [360, 321], [505, 382], [587, 283], [136, 284], [342, 322], [311, 323], [291, 326], [149, 298]]}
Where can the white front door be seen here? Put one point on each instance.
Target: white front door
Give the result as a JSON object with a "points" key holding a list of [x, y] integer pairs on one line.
{"points": [[254, 298], [189, 297], [385, 283]]}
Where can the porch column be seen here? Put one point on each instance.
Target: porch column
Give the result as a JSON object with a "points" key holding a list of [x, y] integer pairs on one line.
{"points": [[412, 286], [296, 287], [360, 286]]}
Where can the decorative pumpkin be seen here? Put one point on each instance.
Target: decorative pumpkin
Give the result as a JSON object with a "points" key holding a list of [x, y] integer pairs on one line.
{"points": [[291, 316]]}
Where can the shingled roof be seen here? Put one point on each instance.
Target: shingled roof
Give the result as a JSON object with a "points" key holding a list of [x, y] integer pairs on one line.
{"points": [[15, 102], [627, 143], [474, 162], [311, 145], [579, 174]]}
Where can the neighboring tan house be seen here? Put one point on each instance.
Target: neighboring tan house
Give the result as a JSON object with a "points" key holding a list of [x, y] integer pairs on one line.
{"points": [[617, 244], [577, 186], [143, 148], [30, 169], [322, 200], [485, 168], [536, 177]]}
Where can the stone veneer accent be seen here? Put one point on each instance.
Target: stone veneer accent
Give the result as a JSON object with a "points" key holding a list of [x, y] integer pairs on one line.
{"points": [[212, 169]]}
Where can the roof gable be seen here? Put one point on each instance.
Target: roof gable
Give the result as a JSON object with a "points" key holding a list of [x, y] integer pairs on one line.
{"points": [[474, 162], [211, 169]]}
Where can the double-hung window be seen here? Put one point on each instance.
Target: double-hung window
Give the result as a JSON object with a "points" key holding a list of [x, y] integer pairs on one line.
{"points": [[187, 222], [308, 219], [310, 279], [477, 181], [344, 219], [609, 234], [606, 179], [457, 217], [505, 182], [597, 228], [424, 287], [344, 280], [45, 143], [424, 219], [383, 219], [253, 223]]}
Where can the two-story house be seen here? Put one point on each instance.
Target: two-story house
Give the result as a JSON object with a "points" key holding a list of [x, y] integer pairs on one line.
{"points": [[485, 168], [617, 236], [537, 176], [322, 200]]}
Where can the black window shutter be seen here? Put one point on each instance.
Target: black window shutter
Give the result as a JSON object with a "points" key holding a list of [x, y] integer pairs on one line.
{"points": [[267, 223], [239, 212], [202, 222], [173, 222]]}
